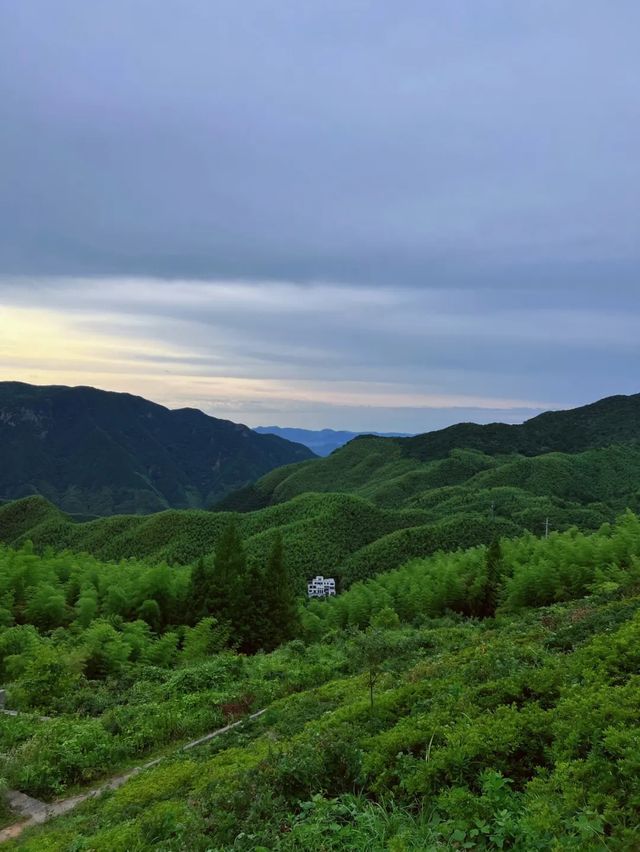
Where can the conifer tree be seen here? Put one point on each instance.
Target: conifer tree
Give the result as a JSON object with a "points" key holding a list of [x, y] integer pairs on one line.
{"points": [[200, 585], [489, 602], [254, 632], [227, 599], [280, 598]]}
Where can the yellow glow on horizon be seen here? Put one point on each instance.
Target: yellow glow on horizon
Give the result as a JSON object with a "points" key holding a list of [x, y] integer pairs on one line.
{"points": [[49, 346], [47, 340]]}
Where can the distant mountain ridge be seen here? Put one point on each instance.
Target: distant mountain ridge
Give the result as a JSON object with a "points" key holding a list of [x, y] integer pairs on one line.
{"points": [[412, 471], [322, 441], [613, 420], [97, 452]]}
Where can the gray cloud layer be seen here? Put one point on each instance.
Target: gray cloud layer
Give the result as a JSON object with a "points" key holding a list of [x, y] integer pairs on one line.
{"points": [[427, 198], [409, 143]]}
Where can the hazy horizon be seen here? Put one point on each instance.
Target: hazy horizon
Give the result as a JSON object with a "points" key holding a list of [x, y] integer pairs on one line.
{"points": [[458, 415]]}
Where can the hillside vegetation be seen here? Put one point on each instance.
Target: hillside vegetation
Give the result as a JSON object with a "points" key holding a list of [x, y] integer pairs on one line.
{"points": [[474, 686], [572, 455], [466, 499], [323, 533], [485, 699], [96, 453], [378, 502]]}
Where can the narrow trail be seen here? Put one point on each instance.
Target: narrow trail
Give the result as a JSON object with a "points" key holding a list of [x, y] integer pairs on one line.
{"points": [[20, 713], [36, 812]]}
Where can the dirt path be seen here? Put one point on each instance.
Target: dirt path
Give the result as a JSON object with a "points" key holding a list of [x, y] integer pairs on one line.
{"points": [[20, 713], [36, 812]]}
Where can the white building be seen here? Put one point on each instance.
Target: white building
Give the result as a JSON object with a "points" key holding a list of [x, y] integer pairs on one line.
{"points": [[321, 587]]}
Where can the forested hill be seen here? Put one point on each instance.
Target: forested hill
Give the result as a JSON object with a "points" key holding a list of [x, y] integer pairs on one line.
{"points": [[401, 514], [95, 452], [614, 420], [555, 454]]}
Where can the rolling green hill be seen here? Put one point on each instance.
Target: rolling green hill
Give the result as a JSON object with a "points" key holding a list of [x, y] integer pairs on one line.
{"points": [[614, 420], [351, 537], [323, 533], [373, 504], [551, 455], [98, 453], [393, 722]]}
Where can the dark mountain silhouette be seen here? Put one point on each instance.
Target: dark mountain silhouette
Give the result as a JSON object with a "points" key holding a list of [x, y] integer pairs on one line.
{"points": [[95, 452]]}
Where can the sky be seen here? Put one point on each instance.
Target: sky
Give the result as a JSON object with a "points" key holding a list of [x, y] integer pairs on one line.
{"points": [[330, 213]]}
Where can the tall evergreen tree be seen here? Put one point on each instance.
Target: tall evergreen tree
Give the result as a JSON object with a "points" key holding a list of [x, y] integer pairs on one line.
{"points": [[200, 585], [489, 601], [280, 598], [254, 631], [228, 599]]}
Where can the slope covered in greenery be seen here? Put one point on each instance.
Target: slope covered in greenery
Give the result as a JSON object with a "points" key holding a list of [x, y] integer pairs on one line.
{"points": [[587, 454], [323, 533], [357, 535], [93, 452], [578, 467], [406, 717], [614, 420], [376, 503], [350, 537]]}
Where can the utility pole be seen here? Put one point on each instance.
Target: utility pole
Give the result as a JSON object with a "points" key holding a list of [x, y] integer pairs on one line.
{"points": [[546, 528]]}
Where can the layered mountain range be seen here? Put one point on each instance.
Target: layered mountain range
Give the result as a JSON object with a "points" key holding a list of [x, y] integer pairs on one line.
{"points": [[377, 502]]}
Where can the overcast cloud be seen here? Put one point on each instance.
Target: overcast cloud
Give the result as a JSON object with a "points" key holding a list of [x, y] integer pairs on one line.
{"points": [[350, 214]]}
